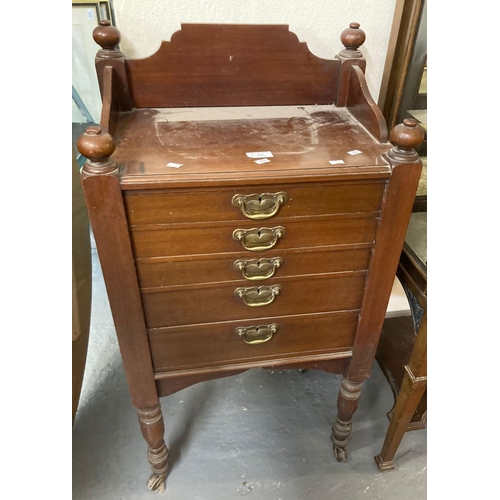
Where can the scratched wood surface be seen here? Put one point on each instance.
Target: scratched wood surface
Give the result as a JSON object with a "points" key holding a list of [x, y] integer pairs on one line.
{"points": [[214, 142]]}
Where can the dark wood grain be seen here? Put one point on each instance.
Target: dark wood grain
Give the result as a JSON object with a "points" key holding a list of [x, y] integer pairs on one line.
{"points": [[173, 206], [352, 38], [333, 362], [206, 345], [217, 302], [347, 403], [389, 241], [235, 179], [199, 240], [361, 104], [172, 384], [394, 218], [153, 429], [212, 148], [109, 55], [232, 65], [120, 87], [109, 225], [110, 108], [175, 271]]}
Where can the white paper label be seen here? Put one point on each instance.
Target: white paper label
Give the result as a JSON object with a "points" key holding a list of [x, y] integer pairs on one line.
{"points": [[336, 162], [90, 14], [174, 165], [264, 160], [354, 152], [260, 154]]}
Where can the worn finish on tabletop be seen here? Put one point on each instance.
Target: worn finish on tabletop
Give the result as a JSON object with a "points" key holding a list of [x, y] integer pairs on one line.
{"points": [[217, 265], [302, 144]]}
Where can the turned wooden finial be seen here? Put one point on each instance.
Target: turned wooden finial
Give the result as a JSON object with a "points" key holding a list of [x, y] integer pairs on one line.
{"points": [[352, 38], [406, 137], [108, 37], [97, 147]]}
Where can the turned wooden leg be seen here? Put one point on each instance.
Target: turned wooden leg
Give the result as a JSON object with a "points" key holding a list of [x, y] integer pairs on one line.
{"points": [[151, 420], [347, 403], [410, 394]]}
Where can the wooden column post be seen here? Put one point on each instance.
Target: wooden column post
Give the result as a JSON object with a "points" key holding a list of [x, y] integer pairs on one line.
{"points": [[101, 185], [393, 223], [108, 37], [352, 38]]}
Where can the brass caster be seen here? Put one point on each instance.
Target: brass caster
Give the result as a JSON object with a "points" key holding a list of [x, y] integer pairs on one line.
{"points": [[383, 466], [340, 453], [157, 482]]}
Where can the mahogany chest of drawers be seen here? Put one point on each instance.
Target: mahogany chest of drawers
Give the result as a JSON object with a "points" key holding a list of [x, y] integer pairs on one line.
{"points": [[244, 220]]}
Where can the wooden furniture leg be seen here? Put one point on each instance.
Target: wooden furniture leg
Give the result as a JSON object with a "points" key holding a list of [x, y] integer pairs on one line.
{"points": [[412, 389], [151, 420], [389, 242], [347, 403], [109, 224]]}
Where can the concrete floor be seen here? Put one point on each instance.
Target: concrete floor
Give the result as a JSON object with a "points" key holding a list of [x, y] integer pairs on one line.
{"points": [[260, 434]]}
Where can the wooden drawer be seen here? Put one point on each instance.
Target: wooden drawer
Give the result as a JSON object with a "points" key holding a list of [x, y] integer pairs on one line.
{"points": [[162, 242], [217, 343], [154, 273], [181, 206], [215, 302]]}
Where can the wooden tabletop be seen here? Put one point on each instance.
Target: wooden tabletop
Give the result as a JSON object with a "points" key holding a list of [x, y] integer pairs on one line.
{"points": [[214, 142]]}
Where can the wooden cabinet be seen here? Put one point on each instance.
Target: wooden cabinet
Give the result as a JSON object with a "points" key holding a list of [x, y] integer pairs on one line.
{"points": [[215, 261]]}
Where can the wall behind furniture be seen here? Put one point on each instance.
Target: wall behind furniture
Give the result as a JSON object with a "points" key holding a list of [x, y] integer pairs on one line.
{"points": [[145, 24]]}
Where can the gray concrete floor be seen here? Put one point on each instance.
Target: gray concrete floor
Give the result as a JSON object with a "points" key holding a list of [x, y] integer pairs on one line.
{"points": [[261, 434]]}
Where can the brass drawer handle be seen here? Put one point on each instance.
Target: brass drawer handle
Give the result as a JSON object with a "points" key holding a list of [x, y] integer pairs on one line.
{"points": [[257, 334], [259, 239], [258, 269], [257, 296], [260, 206]]}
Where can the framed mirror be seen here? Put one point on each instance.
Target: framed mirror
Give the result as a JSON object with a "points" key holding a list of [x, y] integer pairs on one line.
{"points": [[404, 87]]}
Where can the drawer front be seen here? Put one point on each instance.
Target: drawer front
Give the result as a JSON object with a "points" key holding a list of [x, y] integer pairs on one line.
{"points": [[209, 240], [258, 268], [217, 205], [222, 343], [280, 297]]}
